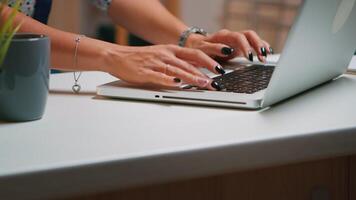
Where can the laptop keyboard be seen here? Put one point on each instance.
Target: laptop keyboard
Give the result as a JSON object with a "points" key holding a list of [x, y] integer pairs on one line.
{"points": [[247, 80]]}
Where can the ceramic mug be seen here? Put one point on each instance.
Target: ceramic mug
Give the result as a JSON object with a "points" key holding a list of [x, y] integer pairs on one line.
{"points": [[24, 78]]}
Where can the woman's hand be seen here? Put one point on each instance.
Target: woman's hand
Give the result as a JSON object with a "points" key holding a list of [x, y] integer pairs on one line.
{"points": [[162, 65], [226, 45]]}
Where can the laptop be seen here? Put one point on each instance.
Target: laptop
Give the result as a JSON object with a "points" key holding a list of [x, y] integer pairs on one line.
{"points": [[318, 49]]}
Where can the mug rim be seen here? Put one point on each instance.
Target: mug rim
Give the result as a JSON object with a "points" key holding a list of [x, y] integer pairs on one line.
{"points": [[20, 37]]}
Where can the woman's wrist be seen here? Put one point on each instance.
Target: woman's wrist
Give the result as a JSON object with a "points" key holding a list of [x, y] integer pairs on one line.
{"points": [[100, 55], [91, 54], [107, 58], [113, 56]]}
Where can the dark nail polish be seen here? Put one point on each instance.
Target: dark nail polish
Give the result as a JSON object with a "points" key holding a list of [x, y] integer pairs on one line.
{"points": [[227, 51], [250, 56], [264, 52], [271, 50], [177, 80], [220, 70], [215, 85], [187, 87]]}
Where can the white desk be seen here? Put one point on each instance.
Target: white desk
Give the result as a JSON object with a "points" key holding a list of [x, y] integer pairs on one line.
{"points": [[84, 144], [352, 65]]}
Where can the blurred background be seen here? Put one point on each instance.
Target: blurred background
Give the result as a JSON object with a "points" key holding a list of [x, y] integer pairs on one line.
{"points": [[272, 19]]}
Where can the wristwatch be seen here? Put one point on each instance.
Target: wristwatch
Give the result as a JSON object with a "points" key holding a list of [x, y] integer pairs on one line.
{"points": [[192, 30]]}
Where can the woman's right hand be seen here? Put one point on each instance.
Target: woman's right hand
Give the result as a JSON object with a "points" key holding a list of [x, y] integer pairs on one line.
{"points": [[161, 65]]}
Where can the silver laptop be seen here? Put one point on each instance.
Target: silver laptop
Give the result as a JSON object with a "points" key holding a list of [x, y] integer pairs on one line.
{"points": [[319, 48]]}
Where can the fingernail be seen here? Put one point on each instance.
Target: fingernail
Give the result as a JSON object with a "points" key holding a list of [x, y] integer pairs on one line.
{"points": [[220, 70], [271, 50], [177, 80], [202, 82], [215, 85], [227, 51], [250, 56], [264, 52], [263, 59]]}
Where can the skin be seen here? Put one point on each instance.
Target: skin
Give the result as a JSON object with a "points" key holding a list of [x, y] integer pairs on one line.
{"points": [[164, 64]]}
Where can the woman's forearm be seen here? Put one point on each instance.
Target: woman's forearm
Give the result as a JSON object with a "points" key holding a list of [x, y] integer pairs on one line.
{"points": [[148, 19], [91, 52]]}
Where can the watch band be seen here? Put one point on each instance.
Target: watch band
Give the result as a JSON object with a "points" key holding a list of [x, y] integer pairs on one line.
{"points": [[191, 30]]}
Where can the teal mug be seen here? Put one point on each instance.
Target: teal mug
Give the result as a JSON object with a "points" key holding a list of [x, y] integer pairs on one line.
{"points": [[24, 78]]}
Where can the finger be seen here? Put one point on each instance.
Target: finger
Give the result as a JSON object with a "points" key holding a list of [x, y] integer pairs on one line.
{"points": [[255, 41], [217, 49], [257, 44], [186, 66], [186, 77], [201, 82], [200, 59], [235, 40], [240, 41], [161, 79], [268, 47]]}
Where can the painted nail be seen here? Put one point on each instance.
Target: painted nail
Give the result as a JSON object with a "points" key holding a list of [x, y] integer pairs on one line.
{"points": [[250, 56], [227, 51], [220, 70], [177, 80], [202, 82], [215, 85], [187, 87], [264, 52], [271, 50]]}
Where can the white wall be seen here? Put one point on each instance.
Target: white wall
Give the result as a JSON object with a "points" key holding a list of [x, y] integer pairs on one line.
{"points": [[206, 14]]}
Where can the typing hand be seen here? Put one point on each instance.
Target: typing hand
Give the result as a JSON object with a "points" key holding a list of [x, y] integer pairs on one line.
{"points": [[162, 65], [226, 45]]}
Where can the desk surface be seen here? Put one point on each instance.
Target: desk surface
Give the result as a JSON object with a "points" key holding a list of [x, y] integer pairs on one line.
{"points": [[88, 144]]}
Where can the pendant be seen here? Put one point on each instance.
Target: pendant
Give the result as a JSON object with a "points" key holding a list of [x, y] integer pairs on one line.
{"points": [[76, 88]]}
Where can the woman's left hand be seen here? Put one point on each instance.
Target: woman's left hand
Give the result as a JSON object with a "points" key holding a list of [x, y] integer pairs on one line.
{"points": [[225, 45]]}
